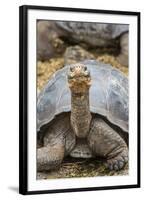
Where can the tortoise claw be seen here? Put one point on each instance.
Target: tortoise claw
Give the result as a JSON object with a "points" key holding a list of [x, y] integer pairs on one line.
{"points": [[117, 163]]}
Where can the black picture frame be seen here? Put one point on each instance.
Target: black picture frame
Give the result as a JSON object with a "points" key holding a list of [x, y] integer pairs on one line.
{"points": [[23, 96]]}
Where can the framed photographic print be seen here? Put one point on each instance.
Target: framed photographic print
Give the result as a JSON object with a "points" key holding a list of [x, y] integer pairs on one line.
{"points": [[79, 99]]}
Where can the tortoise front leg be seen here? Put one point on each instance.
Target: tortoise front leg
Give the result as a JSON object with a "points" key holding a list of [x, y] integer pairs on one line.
{"points": [[50, 157], [107, 143]]}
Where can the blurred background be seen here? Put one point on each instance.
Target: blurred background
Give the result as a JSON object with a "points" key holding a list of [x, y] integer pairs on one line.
{"points": [[63, 42]]}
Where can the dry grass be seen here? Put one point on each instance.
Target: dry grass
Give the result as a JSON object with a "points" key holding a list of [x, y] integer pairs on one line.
{"points": [[81, 168]]}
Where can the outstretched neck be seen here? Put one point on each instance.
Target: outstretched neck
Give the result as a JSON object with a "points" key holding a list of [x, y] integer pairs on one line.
{"points": [[80, 113]]}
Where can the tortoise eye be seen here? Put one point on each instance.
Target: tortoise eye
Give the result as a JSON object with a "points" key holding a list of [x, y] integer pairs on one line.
{"points": [[85, 68], [71, 68]]}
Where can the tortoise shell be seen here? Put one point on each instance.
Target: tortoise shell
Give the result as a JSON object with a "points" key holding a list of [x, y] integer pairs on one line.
{"points": [[95, 30], [108, 95]]}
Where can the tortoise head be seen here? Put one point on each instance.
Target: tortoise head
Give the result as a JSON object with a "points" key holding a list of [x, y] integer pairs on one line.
{"points": [[79, 78]]}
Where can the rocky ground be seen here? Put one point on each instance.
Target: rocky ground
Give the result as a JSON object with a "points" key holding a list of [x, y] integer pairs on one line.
{"points": [[75, 167]]}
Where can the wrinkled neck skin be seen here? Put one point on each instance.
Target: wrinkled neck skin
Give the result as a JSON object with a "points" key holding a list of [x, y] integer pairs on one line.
{"points": [[80, 114]]}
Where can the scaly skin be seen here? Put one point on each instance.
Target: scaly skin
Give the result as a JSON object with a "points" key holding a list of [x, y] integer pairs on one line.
{"points": [[79, 83], [59, 140], [102, 139], [80, 114], [50, 156], [108, 144]]}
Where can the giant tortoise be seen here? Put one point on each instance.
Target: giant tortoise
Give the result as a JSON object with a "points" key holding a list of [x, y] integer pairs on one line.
{"points": [[83, 112]]}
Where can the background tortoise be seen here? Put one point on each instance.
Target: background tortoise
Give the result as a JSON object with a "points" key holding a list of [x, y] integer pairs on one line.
{"points": [[70, 116], [54, 37]]}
